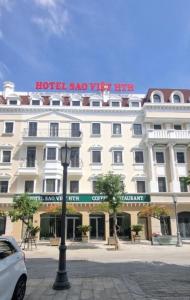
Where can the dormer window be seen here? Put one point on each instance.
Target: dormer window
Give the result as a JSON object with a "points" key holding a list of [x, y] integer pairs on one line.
{"points": [[13, 102], [176, 98], [95, 103], [135, 104], [156, 98], [76, 103], [55, 102], [115, 103], [35, 102]]}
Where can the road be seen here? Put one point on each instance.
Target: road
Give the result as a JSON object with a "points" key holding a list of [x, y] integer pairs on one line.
{"points": [[96, 271]]}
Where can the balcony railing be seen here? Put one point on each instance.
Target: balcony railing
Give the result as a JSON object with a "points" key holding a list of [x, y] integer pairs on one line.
{"points": [[168, 134], [45, 133], [28, 164]]}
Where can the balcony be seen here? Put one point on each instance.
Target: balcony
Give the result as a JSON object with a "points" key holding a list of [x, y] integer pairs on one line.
{"points": [[28, 168], [55, 168], [75, 168], [168, 135], [43, 136]]}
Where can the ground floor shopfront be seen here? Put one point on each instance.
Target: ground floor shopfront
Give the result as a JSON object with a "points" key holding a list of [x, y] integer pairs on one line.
{"points": [[101, 222]]}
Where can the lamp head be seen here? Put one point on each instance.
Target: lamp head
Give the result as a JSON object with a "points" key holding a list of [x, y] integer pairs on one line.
{"points": [[65, 155]]}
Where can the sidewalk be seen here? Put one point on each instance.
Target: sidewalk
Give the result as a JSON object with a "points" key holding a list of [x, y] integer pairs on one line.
{"points": [[96, 272]]}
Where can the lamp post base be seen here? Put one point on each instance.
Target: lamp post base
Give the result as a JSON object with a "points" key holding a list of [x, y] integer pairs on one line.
{"points": [[61, 281], [179, 241]]}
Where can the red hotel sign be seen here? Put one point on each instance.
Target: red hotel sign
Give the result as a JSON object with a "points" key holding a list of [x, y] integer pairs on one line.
{"points": [[84, 86]]}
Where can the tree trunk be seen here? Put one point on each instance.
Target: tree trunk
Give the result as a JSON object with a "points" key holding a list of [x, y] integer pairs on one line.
{"points": [[115, 230]]}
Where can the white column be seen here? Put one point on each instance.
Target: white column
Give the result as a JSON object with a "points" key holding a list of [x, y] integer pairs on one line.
{"points": [[9, 226], [153, 182], [174, 179]]}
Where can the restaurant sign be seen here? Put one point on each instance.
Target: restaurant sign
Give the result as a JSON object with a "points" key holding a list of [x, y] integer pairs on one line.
{"points": [[89, 198], [85, 86]]}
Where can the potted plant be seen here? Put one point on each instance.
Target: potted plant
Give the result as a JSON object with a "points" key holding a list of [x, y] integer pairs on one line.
{"points": [[135, 231], [84, 229], [34, 231]]}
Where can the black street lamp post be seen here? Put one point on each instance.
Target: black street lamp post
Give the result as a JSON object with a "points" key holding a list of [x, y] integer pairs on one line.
{"points": [[179, 242], [61, 281]]}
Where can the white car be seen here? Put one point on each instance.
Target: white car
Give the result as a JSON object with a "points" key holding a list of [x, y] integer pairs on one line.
{"points": [[13, 273]]}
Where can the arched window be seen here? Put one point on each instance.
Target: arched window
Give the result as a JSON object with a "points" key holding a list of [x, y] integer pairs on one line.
{"points": [[176, 98], [156, 98]]}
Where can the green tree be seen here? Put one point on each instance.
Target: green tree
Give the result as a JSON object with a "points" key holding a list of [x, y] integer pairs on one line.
{"points": [[186, 179], [111, 185], [23, 209], [155, 211]]}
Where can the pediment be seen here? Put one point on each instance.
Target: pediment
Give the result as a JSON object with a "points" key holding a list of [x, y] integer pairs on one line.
{"points": [[54, 115]]}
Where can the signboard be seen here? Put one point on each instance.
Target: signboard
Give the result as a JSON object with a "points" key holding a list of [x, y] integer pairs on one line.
{"points": [[89, 198], [84, 86]]}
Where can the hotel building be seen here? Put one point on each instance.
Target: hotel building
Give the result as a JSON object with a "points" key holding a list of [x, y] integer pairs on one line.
{"points": [[143, 137]]}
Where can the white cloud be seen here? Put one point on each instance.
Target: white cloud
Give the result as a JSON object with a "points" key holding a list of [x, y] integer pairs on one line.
{"points": [[56, 17], [5, 4], [4, 71], [46, 3]]}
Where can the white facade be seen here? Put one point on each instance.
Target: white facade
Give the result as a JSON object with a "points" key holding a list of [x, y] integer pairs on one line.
{"points": [[142, 137]]}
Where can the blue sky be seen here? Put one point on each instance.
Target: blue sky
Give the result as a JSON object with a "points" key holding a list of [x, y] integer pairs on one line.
{"points": [[145, 42]]}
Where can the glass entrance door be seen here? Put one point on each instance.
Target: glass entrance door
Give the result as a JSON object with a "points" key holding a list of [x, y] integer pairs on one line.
{"points": [[97, 224], [72, 232], [123, 226], [184, 224]]}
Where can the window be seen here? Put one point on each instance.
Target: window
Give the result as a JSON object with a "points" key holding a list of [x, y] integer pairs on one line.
{"points": [[75, 129], [115, 103], [12, 102], [74, 157], [54, 129], [94, 186], [6, 156], [141, 186], [35, 102], [96, 156], [139, 159], [4, 186], [8, 127], [177, 127], [76, 103], [55, 102], [31, 157], [51, 186], [32, 129], [157, 126], [180, 157], [29, 186], [160, 157], [6, 249], [137, 129], [117, 157], [51, 153], [161, 184], [96, 128], [117, 129], [135, 104], [183, 185], [156, 98], [95, 103], [176, 98], [74, 186]]}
